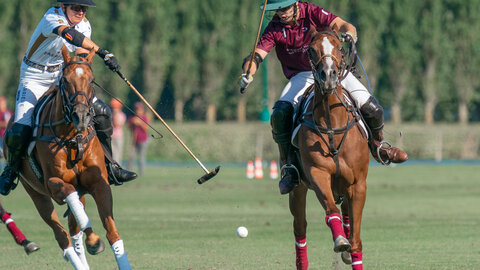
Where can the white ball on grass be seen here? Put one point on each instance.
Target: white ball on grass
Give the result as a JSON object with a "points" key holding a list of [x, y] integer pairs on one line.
{"points": [[242, 232]]}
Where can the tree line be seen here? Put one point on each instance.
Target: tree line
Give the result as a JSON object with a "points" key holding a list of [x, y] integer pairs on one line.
{"points": [[422, 56]]}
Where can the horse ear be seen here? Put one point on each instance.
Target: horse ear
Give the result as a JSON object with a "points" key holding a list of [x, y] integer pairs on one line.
{"points": [[90, 56], [66, 54]]}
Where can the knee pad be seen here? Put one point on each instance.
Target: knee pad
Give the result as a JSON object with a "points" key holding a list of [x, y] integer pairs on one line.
{"points": [[282, 121], [103, 118], [372, 112]]}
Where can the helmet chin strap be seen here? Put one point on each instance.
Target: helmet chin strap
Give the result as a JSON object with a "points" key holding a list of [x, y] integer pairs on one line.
{"points": [[64, 8], [295, 14]]}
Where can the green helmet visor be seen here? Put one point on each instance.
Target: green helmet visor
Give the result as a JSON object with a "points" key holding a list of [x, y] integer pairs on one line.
{"points": [[278, 4]]}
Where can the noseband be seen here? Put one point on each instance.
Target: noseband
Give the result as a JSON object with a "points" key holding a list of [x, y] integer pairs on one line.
{"points": [[68, 102]]}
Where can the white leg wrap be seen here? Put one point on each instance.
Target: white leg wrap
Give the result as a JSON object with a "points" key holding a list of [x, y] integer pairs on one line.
{"points": [[77, 242], [71, 256], [78, 211], [8, 221], [120, 255]]}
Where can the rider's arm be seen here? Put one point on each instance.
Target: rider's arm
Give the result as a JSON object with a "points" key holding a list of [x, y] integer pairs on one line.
{"points": [[253, 69], [76, 38], [338, 24]]}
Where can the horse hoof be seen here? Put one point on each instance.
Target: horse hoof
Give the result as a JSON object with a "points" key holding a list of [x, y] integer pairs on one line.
{"points": [[346, 258], [30, 247], [96, 248], [341, 244]]}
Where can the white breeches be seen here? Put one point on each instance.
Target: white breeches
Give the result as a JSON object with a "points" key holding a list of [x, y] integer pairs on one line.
{"points": [[299, 83], [33, 84]]}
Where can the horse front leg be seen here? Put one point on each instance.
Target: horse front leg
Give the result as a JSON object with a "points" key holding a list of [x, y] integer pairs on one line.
{"points": [[345, 206], [46, 209], [297, 204], [321, 181], [357, 203], [102, 194], [95, 245]]}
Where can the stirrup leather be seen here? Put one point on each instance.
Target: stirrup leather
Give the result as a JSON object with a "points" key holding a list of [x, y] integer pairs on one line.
{"points": [[290, 166], [383, 162]]}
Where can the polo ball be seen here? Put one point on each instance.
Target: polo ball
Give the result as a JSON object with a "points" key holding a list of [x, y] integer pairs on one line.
{"points": [[242, 232]]}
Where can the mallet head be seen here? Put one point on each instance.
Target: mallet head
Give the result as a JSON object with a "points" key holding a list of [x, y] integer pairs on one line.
{"points": [[208, 176]]}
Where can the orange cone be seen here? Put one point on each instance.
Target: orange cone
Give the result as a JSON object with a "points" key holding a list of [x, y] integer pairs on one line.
{"points": [[250, 168], [273, 169], [258, 168]]}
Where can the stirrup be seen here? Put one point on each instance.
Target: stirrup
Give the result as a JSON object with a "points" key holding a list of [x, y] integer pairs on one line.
{"points": [[112, 179], [383, 162]]}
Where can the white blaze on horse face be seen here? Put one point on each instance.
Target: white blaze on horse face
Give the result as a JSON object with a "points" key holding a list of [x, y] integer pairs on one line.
{"points": [[327, 50], [79, 71]]}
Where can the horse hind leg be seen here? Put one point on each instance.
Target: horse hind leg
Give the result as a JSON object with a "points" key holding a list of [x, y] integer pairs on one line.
{"points": [[297, 204], [346, 258], [358, 202], [47, 211]]}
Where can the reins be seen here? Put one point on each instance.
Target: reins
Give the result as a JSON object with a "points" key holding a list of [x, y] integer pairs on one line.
{"points": [[78, 142]]}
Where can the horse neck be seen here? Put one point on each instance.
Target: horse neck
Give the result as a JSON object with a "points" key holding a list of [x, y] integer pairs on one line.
{"points": [[336, 114]]}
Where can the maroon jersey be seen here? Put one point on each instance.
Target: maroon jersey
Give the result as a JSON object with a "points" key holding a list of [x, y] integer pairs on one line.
{"points": [[291, 42]]}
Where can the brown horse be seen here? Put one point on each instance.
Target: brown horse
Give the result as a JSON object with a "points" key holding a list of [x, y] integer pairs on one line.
{"points": [[67, 161], [334, 154]]}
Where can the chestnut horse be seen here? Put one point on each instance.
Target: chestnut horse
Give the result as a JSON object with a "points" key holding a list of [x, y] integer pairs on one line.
{"points": [[334, 154], [67, 161]]}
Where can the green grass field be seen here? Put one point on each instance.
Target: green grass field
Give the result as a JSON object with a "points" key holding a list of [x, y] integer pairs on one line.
{"points": [[416, 217]]}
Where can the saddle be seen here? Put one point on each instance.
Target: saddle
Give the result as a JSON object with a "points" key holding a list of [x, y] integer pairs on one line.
{"points": [[301, 115]]}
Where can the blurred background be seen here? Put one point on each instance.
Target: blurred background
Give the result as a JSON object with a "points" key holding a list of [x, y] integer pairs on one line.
{"points": [[422, 59]]}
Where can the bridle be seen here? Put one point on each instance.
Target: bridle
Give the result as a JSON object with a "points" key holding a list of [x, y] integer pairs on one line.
{"points": [[341, 64], [79, 142], [69, 103]]}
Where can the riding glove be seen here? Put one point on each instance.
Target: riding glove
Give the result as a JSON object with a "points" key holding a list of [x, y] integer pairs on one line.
{"points": [[110, 60], [245, 81], [352, 37]]}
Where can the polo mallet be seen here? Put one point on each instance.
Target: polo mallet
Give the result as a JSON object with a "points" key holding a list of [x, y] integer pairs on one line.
{"points": [[242, 89], [208, 174]]}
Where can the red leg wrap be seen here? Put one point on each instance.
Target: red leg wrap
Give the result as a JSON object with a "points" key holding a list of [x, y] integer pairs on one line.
{"points": [[301, 251], [335, 223], [346, 226], [357, 261], [12, 227]]}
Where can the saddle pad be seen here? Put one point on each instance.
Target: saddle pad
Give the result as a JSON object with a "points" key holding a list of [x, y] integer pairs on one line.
{"points": [[303, 111], [36, 118]]}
